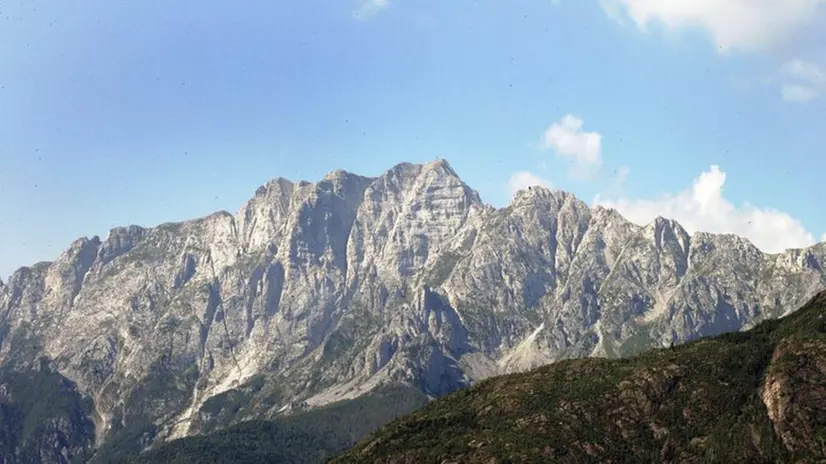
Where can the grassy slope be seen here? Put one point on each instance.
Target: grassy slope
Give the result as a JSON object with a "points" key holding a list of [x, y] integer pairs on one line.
{"points": [[700, 402]]}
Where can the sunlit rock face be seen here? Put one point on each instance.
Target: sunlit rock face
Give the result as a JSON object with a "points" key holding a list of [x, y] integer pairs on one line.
{"points": [[313, 293]]}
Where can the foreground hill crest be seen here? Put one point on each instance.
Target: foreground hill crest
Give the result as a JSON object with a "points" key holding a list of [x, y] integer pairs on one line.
{"points": [[755, 396], [313, 293]]}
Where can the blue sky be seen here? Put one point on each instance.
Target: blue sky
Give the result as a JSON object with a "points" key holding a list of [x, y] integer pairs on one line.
{"points": [[146, 112]]}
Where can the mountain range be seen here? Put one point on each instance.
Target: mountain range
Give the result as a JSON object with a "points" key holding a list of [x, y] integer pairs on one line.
{"points": [[317, 293], [757, 396]]}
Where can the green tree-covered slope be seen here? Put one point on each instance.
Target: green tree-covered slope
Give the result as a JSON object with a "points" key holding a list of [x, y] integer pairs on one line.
{"points": [[756, 396], [309, 437]]}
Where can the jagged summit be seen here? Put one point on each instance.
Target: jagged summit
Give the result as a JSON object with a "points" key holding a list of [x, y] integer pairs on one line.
{"points": [[281, 190], [443, 165], [317, 292], [439, 164], [339, 174], [661, 222], [544, 193], [279, 184]]}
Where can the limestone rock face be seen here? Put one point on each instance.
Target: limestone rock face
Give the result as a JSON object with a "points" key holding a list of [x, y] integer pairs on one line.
{"points": [[748, 396], [313, 293]]}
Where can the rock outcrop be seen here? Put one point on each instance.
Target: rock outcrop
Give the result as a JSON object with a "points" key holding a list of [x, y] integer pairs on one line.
{"points": [[754, 396], [313, 293]]}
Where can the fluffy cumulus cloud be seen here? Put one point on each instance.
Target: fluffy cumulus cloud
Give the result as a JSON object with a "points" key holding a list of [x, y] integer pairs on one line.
{"points": [[524, 179], [703, 207], [369, 8], [740, 25], [747, 25], [566, 137], [583, 149]]}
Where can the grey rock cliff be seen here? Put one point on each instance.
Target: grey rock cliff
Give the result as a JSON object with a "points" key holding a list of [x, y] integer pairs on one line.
{"points": [[313, 293]]}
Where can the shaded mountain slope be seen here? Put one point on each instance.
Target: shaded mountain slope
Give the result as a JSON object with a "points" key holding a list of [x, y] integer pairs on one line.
{"points": [[754, 396], [307, 437], [43, 418]]}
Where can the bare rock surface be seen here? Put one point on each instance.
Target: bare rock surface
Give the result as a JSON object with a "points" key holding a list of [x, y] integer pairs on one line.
{"points": [[312, 293]]}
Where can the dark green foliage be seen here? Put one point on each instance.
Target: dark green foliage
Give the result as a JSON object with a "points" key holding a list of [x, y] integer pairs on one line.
{"points": [[128, 437], [308, 437], [165, 390], [353, 329], [249, 442], [234, 400], [41, 414], [638, 343], [700, 402], [255, 396]]}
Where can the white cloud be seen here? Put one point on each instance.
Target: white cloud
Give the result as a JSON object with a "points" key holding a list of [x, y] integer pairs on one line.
{"points": [[703, 207], [798, 93], [583, 149], [805, 71], [741, 25], [733, 24], [370, 8], [798, 81], [524, 179], [809, 81]]}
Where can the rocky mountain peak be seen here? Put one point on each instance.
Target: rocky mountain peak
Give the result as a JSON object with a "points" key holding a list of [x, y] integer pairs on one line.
{"points": [[321, 291], [547, 198], [668, 233], [610, 218], [119, 241], [441, 165], [341, 174], [276, 186]]}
